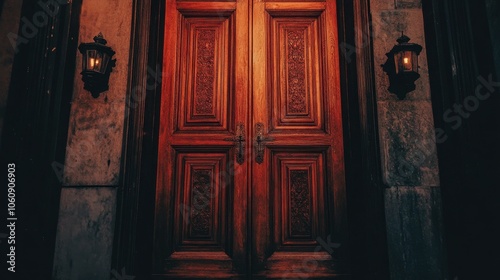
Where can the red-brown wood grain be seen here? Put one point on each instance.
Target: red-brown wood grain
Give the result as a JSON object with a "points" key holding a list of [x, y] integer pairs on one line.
{"points": [[250, 62]]}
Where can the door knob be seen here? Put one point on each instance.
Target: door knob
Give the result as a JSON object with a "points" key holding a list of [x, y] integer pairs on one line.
{"points": [[239, 142], [260, 142]]}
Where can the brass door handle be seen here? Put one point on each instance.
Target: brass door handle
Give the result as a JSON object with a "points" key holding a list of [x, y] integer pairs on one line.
{"points": [[260, 142], [239, 142]]}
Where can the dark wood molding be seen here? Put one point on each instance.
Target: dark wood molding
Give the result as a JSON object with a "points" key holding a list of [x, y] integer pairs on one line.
{"points": [[135, 203], [36, 129], [365, 193], [365, 188], [128, 193]]}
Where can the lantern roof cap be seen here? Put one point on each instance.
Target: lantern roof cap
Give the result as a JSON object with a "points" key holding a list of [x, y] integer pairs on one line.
{"points": [[99, 39], [404, 45], [403, 39], [99, 44]]}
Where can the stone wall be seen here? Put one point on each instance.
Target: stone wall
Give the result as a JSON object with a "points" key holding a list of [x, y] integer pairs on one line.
{"points": [[408, 151], [93, 154], [85, 234]]}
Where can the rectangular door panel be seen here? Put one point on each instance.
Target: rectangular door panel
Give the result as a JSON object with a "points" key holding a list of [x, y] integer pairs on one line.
{"points": [[298, 198], [301, 204], [201, 228], [296, 73], [205, 72], [202, 186]]}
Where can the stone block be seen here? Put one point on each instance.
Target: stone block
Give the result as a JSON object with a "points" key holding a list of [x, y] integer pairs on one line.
{"points": [[94, 146], [408, 4], [85, 231], [378, 5], [414, 233], [407, 143]]}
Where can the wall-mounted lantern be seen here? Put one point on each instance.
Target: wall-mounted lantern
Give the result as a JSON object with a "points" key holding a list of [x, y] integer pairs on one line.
{"points": [[402, 66], [97, 65]]}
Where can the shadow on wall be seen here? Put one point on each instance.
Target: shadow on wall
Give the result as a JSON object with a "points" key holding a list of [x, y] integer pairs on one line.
{"points": [[10, 16]]}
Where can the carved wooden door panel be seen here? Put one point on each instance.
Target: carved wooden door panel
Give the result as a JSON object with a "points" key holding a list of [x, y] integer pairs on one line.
{"points": [[298, 191], [201, 213], [250, 179]]}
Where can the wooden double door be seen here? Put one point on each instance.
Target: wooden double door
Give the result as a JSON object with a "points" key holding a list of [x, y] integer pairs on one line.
{"points": [[250, 179]]}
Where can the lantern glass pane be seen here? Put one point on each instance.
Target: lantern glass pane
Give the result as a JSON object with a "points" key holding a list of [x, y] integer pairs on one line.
{"points": [[415, 62], [404, 61], [91, 60], [98, 62], [104, 64], [397, 62], [407, 60], [89, 57], [84, 61]]}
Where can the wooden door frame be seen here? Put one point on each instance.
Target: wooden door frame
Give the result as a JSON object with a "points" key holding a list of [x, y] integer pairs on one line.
{"points": [[136, 195]]}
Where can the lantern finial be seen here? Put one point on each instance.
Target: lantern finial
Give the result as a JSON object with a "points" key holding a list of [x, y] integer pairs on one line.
{"points": [[99, 39], [403, 39]]}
